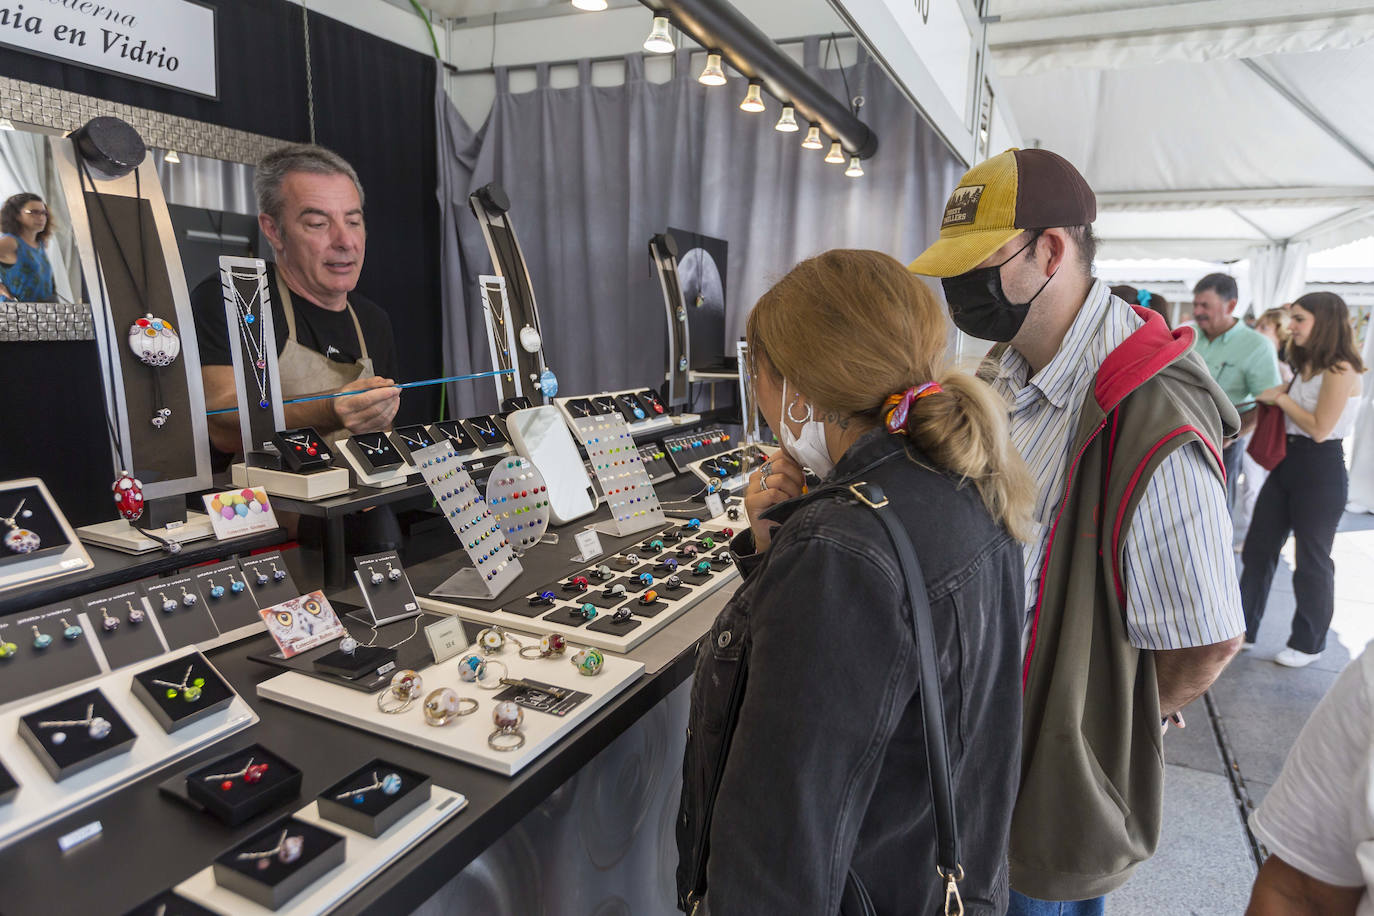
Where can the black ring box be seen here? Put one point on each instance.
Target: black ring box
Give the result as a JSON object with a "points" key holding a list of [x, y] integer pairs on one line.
{"points": [[275, 885], [79, 751], [244, 800], [378, 812], [173, 713]]}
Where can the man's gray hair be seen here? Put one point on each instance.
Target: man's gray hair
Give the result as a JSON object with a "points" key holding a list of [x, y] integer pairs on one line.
{"points": [[298, 157]]}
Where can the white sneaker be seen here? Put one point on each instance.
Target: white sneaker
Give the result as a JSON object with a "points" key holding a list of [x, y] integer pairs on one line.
{"points": [[1292, 658], [1246, 646]]}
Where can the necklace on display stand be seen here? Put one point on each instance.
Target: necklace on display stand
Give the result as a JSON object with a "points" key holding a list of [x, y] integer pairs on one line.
{"points": [[581, 411], [257, 346], [416, 443], [500, 325], [377, 449], [20, 540], [488, 431]]}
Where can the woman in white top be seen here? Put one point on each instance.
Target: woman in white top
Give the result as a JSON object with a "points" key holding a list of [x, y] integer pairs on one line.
{"points": [[1306, 494]]}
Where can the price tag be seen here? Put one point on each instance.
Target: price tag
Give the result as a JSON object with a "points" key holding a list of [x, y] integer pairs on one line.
{"points": [[80, 835], [588, 545], [446, 638], [713, 505]]}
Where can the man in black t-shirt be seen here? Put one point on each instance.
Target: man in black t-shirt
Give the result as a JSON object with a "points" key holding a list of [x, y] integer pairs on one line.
{"points": [[328, 338]]}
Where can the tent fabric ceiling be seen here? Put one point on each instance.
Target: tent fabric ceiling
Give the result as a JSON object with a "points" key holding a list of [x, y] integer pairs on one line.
{"points": [[1237, 142]]}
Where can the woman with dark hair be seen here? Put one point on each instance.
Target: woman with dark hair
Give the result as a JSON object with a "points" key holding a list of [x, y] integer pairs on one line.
{"points": [[24, 266], [1306, 493], [1145, 299]]}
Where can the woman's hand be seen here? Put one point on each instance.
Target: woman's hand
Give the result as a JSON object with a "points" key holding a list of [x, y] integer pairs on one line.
{"points": [[778, 480], [1270, 396]]}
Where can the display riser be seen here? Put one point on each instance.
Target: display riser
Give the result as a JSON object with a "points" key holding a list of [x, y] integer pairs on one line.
{"points": [[466, 738], [124, 537], [734, 482], [636, 427], [307, 487], [392, 478], [365, 858], [41, 800]]}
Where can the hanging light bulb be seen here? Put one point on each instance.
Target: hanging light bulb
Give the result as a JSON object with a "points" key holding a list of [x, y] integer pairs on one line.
{"points": [[659, 40], [714, 74], [172, 157], [591, 6], [855, 170], [813, 138], [753, 99], [787, 121], [836, 155]]}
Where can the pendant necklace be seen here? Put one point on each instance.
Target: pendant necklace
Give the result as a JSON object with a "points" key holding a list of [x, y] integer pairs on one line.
{"points": [[257, 346], [581, 410], [488, 431], [20, 540], [416, 443], [495, 313], [377, 449]]}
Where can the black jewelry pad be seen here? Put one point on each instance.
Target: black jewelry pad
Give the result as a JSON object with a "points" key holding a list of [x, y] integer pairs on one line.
{"points": [[511, 405], [680, 591], [8, 787], [29, 671], [644, 550], [394, 597], [245, 800], [453, 431], [169, 903], [186, 626], [271, 592], [620, 564], [275, 885], [632, 584], [523, 608], [607, 602], [173, 713], [364, 660], [604, 624], [80, 751], [695, 576], [129, 643], [233, 609], [376, 452], [418, 433], [377, 812], [299, 460], [649, 611], [567, 616]]}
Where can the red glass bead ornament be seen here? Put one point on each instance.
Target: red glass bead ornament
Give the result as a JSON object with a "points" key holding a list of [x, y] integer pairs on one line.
{"points": [[728, 532], [128, 496], [255, 773], [312, 450], [226, 785]]}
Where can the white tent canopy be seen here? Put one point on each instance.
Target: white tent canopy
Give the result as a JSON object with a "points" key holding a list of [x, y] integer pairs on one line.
{"points": [[1211, 129]]}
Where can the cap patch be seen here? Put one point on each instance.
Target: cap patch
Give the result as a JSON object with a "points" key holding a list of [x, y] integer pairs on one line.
{"points": [[962, 208]]}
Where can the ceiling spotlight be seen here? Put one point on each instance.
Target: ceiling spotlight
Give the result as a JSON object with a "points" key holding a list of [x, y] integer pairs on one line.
{"points": [[591, 6], [659, 40], [855, 170], [714, 74], [787, 121], [836, 155], [753, 99], [813, 138], [172, 157]]}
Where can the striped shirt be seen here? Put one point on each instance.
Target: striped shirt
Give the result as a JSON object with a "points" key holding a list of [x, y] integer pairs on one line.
{"points": [[1179, 572]]}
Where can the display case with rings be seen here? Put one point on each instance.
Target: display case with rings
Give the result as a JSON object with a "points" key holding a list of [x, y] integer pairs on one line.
{"points": [[374, 797]]}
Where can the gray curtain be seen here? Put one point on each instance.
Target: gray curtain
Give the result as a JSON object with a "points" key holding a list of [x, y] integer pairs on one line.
{"points": [[592, 172]]}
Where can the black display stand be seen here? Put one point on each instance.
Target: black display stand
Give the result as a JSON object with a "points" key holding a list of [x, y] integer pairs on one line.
{"points": [[453, 431], [243, 282], [390, 597], [184, 625], [128, 643], [375, 452], [486, 432], [269, 579], [79, 749], [232, 610], [31, 671], [8, 787], [243, 800], [172, 707], [274, 884], [373, 813], [295, 447]]}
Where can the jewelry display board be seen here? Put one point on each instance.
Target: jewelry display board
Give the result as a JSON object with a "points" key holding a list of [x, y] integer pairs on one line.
{"points": [[465, 737], [41, 800], [36, 541], [561, 614], [663, 252], [364, 857], [685, 449], [653, 413], [494, 566], [611, 449], [519, 500], [253, 349], [501, 337]]}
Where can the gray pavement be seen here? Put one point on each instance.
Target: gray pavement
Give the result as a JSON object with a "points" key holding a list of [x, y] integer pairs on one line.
{"points": [[1205, 864]]}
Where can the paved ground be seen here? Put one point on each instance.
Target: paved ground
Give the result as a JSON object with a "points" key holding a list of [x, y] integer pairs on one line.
{"points": [[1206, 864]]}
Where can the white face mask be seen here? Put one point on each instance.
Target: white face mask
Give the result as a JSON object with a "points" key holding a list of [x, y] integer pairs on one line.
{"points": [[808, 450]]}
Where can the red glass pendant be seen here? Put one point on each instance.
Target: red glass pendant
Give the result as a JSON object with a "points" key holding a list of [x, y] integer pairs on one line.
{"points": [[128, 496]]}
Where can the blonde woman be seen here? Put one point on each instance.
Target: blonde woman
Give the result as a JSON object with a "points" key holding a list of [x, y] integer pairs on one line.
{"points": [[805, 775]]}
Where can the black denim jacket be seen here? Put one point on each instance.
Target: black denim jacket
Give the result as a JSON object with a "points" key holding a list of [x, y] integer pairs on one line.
{"points": [[805, 720]]}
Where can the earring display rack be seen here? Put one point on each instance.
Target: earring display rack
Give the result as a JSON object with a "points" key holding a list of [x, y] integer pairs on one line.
{"points": [[41, 800], [603, 631], [706, 443], [519, 500], [467, 740], [656, 463], [730, 471], [615, 461], [388, 599], [494, 566]]}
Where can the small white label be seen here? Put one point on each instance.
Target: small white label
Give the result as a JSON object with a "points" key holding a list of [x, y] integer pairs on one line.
{"points": [[410, 606], [79, 836], [713, 505], [589, 544], [386, 669], [74, 561], [446, 638]]}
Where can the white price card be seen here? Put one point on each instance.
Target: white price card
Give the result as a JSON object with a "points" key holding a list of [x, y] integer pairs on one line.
{"points": [[714, 506], [588, 545], [446, 638]]}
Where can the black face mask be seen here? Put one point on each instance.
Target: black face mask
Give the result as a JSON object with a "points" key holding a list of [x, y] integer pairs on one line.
{"points": [[980, 308]]}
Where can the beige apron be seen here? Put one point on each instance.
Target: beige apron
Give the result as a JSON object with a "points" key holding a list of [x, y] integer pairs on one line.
{"points": [[302, 371]]}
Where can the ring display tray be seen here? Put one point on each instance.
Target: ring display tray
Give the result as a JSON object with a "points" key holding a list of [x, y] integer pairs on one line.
{"points": [[41, 800], [620, 472], [554, 618], [465, 738], [365, 857]]}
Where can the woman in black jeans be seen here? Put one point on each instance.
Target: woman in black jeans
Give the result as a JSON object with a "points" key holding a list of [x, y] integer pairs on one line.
{"points": [[1306, 493], [805, 770]]}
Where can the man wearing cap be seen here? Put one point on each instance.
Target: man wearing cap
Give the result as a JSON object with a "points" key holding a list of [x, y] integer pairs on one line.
{"points": [[1134, 607]]}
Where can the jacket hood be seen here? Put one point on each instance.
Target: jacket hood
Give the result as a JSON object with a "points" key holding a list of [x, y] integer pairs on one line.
{"points": [[1153, 350]]}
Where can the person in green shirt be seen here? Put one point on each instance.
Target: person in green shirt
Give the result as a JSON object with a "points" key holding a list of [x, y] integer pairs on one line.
{"points": [[1241, 360]]}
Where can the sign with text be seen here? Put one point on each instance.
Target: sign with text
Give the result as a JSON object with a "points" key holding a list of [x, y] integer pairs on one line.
{"points": [[168, 42]]}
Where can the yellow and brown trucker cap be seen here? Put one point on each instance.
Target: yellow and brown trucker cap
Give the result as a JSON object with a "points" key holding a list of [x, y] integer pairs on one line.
{"points": [[997, 200]]}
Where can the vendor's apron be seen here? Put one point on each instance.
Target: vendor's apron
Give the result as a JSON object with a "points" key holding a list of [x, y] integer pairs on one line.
{"points": [[302, 371]]}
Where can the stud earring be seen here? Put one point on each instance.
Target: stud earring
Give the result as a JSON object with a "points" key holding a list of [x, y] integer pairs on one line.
{"points": [[41, 640], [70, 630], [278, 574], [261, 579], [187, 599], [236, 586], [392, 572], [107, 623], [216, 591], [377, 577], [136, 613]]}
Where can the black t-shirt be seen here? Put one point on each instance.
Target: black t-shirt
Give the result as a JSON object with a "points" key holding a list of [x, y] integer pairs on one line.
{"points": [[319, 329]]}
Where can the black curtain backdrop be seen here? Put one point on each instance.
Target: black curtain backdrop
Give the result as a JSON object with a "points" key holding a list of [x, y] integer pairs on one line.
{"points": [[374, 105]]}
